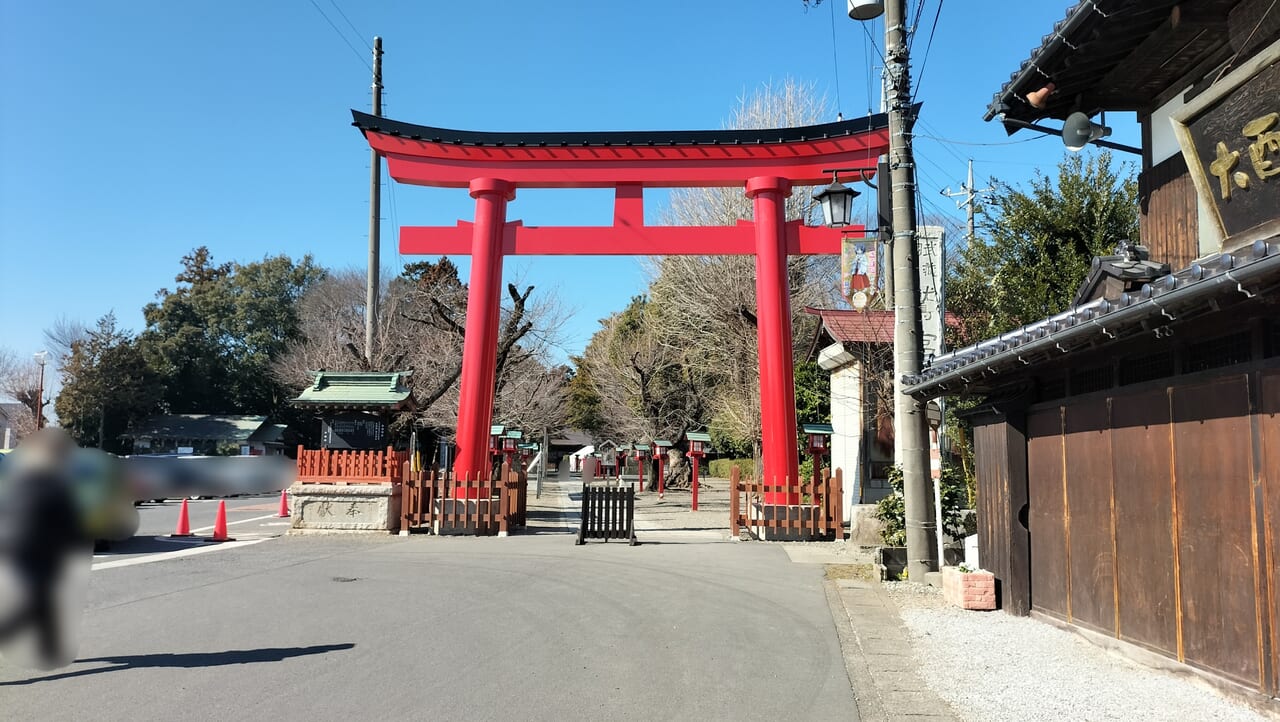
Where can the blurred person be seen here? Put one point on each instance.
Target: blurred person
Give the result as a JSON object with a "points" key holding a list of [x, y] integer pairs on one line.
{"points": [[43, 545]]}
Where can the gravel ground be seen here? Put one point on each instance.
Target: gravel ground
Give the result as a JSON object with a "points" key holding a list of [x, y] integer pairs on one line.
{"points": [[993, 666]]}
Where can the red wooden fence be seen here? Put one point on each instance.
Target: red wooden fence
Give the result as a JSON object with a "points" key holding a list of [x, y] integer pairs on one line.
{"points": [[345, 466], [437, 503], [817, 516]]}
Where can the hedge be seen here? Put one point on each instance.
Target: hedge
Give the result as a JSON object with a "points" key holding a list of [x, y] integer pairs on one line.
{"points": [[722, 467]]}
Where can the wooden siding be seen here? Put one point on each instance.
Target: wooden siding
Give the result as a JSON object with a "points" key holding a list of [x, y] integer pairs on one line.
{"points": [[1169, 219], [1268, 421], [1003, 541], [1050, 583], [1091, 564], [1153, 518], [1142, 468]]}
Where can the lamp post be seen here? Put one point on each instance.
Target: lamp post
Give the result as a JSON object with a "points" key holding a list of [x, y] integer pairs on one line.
{"points": [[697, 449], [640, 452], [660, 447], [510, 442], [40, 357], [496, 433], [819, 436]]}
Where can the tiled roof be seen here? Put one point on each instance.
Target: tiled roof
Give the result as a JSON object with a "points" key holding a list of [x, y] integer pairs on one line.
{"points": [[1177, 296], [848, 326], [871, 326], [357, 389], [1113, 55], [197, 427]]}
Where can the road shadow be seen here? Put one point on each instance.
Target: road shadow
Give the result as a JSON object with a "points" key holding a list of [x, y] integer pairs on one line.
{"points": [[147, 545], [190, 660]]}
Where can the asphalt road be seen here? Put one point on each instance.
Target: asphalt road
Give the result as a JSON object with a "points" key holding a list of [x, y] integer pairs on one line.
{"points": [[249, 519], [526, 627]]}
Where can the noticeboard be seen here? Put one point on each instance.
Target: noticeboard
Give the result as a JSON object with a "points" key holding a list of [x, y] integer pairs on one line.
{"points": [[353, 431]]}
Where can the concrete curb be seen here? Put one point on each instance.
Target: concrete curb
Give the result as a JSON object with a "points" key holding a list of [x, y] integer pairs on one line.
{"points": [[878, 655]]}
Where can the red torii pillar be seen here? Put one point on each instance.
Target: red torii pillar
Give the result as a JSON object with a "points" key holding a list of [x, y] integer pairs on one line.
{"points": [[773, 328], [480, 358]]}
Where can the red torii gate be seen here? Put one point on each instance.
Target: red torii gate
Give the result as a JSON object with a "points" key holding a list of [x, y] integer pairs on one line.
{"points": [[768, 163]]}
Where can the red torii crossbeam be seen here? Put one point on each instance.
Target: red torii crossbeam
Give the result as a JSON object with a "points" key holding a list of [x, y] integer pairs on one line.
{"points": [[767, 163]]}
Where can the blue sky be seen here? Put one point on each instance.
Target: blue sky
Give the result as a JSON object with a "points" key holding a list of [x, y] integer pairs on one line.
{"points": [[136, 131]]}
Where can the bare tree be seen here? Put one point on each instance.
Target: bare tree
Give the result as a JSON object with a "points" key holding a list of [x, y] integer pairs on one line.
{"points": [[707, 303], [421, 328], [20, 379]]}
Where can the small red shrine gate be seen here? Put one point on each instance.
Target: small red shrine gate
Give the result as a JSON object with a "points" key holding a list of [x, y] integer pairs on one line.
{"points": [[767, 163]]}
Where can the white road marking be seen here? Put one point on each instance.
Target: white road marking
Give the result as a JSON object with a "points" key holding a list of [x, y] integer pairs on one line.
{"points": [[203, 529], [175, 554]]}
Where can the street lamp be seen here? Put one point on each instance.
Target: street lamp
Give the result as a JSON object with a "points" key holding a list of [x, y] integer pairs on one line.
{"points": [[819, 438], [697, 449], [837, 203], [660, 447], [40, 357], [865, 9]]}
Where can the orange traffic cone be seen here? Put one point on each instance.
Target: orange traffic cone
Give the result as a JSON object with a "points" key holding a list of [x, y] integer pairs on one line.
{"points": [[184, 522], [284, 504], [220, 524]]}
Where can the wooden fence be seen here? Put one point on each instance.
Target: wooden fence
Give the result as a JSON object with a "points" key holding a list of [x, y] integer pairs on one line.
{"points": [[435, 502], [608, 512], [817, 515], [347, 466]]}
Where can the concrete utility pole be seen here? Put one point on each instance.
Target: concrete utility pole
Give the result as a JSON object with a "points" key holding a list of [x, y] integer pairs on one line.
{"points": [[970, 196], [911, 423], [375, 216]]}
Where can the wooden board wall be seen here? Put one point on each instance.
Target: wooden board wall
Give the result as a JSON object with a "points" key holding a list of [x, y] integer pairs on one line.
{"points": [[1153, 518], [1169, 219]]}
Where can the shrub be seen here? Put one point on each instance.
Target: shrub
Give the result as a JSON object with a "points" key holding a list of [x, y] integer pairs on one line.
{"points": [[721, 467], [892, 510]]}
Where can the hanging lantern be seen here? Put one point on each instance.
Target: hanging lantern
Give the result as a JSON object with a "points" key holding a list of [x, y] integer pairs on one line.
{"points": [[837, 204]]}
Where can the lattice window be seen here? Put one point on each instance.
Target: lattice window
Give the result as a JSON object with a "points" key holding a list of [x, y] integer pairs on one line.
{"points": [[1093, 379], [1218, 352], [1146, 368]]}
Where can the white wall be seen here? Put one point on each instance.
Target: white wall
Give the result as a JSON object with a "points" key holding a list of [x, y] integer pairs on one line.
{"points": [[847, 426]]}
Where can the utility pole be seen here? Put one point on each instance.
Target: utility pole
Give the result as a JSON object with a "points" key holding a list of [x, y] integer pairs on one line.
{"points": [[911, 422], [375, 217], [970, 196]]}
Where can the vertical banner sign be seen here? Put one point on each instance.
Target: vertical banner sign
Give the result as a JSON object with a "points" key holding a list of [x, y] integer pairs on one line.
{"points": [[929, 246], [858, 265]]}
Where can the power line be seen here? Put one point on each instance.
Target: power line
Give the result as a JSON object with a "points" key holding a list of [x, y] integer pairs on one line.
{"points": [[350, 25], [928, 46], [346, 42], [969, 142], [835, 63]]}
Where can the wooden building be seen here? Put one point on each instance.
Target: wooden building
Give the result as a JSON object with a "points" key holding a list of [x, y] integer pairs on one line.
{"points": [[1128, 454]]}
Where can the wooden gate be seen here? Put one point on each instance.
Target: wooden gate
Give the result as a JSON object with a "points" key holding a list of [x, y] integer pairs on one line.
{"points": [[817, 516], [436, 503]]}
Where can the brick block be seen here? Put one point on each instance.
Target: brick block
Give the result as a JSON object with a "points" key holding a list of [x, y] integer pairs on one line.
{"points": [[969, 590]]}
